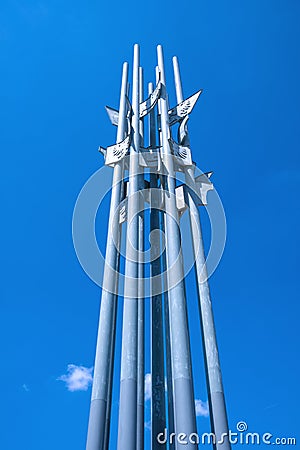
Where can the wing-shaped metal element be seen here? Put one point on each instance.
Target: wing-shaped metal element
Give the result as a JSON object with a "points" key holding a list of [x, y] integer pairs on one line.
{"points": [[183, 132], [182, 153], [203, 185], [102, 150], [183, 108], [113, 115], [150, 102], [114, 153]]}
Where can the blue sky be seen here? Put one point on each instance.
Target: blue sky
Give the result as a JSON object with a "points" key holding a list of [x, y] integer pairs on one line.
{"points": [[60, 65]]}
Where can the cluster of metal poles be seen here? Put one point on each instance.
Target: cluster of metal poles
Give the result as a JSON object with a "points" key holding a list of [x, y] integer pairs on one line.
{"points": [[172, 390]]}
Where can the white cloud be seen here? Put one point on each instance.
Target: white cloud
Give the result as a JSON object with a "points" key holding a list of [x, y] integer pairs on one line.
{"points": [[148, 385], [201, 408], [77, 378]]}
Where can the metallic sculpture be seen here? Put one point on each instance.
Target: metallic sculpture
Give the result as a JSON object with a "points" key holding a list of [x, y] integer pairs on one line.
{"points": [[151, 173]]}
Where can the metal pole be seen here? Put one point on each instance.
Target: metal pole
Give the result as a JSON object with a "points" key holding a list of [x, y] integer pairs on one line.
{"points": [[218, 414], [127, 431], [185, 419], [111, 376], [141, 306], [158, 412], [171, 425], [111, 363], [169, 377], [104, 352]]}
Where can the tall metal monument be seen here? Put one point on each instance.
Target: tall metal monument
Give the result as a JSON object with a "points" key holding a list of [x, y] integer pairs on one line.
{"points": [[145, 161]]}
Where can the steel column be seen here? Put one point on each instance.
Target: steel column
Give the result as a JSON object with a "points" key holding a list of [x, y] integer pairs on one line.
{"points": [[141, 305], [218, 414], [100, 407], [158, 414], [184, 406], [127, 431]]}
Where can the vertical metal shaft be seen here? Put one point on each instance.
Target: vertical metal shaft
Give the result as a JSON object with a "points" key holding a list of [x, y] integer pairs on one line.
{"points": [[111, 368], [171, 425], [127, 431], [141, 306], [158, 414], [112, 358], [185, 419], [169, 378], [105, 339], [218, 415]]}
